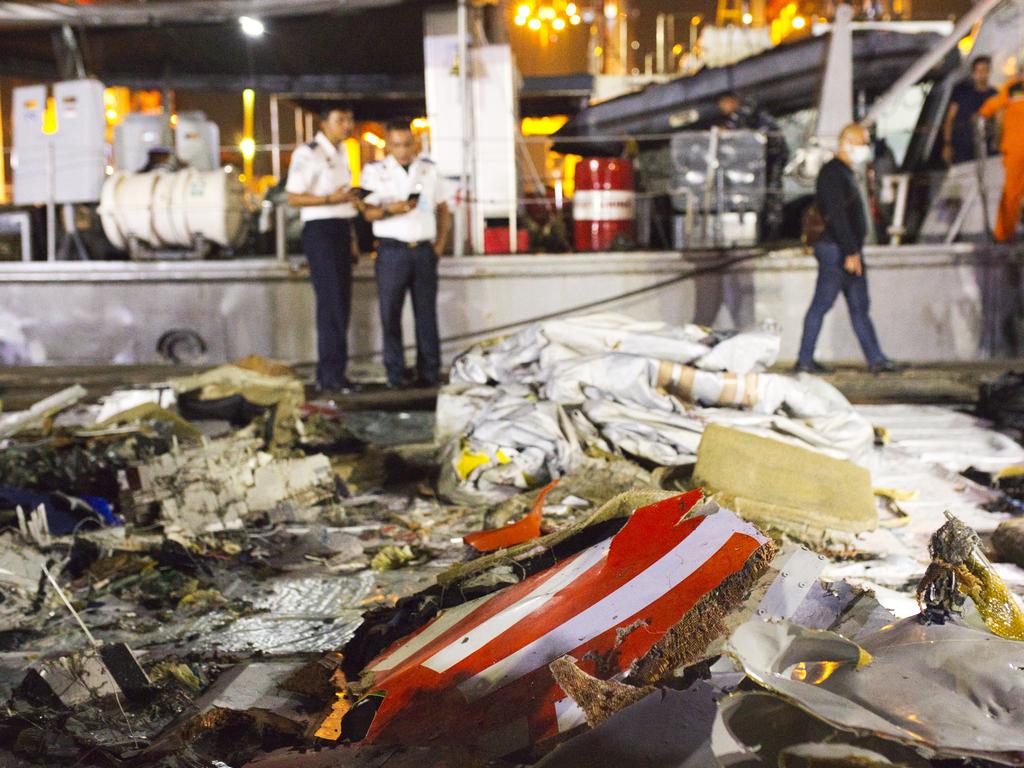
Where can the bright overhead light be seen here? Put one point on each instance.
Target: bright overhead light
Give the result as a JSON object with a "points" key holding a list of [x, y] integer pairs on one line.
{"points": [[534, 24], [250, 26], [799, 22], [558, 24], [748, 18], [248, 148], [547, 13], [570, 9], [523, 10], [575, 20], [520, 21]]}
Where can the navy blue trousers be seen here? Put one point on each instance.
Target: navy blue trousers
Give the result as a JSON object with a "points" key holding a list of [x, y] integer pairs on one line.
{"points": [[401, 269], [328, 247], [833, 280]]}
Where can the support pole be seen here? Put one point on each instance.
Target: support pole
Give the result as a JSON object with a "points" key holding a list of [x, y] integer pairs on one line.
{"points": [[280, 243], [467, 125], [51, 205], [659, 44], [835, 108]]}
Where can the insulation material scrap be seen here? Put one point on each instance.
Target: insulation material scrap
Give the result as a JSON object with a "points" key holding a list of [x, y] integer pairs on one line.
{"points": [[942, 689], [215, 485], [264, 366], [801, 492], [151, 411], [959, 567], [522, 530], [479, 672], [13, 423], [599, 699]]}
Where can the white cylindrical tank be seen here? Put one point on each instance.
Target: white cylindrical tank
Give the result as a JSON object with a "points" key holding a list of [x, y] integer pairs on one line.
{"points": [[172, 210], [170, 223], [133, 205], [214, 204]]}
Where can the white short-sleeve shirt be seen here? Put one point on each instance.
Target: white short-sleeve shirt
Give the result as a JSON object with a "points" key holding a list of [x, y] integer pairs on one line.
{"points": [[319, 168], [389, 182]]}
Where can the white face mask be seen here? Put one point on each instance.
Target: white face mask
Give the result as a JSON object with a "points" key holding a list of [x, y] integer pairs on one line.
{"points": [[859, 154]]}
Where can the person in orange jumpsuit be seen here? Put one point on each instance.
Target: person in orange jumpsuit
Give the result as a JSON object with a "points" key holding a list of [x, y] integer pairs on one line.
{"points": [[1010, 101]]}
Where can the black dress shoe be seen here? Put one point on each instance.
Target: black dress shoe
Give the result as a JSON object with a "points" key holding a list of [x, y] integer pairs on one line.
{"points": [[887, 366], [343, 387], [812, 367]]}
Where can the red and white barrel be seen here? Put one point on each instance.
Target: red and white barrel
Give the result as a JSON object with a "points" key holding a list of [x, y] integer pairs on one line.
{"points": [[604, 204]]}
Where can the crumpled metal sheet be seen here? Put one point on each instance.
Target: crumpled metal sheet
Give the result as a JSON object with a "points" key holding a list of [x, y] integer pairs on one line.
{"points": [[944, 689], [756, 729], [310, 613], [637, 736]]}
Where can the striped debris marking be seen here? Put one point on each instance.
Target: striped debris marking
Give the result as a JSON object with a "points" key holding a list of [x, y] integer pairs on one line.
{"points": [[478, 674]]}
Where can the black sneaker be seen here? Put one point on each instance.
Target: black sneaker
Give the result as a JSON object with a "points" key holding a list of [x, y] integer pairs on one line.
{"points": [[887, 366], [812, 367]]}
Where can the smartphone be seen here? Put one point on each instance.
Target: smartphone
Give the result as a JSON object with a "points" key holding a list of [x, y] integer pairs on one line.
{"points": [[360, 193], [414, 197]]}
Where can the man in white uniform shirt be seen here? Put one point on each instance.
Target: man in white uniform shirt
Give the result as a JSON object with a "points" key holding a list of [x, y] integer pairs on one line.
{"points": [[410, 221], [319, 184]]}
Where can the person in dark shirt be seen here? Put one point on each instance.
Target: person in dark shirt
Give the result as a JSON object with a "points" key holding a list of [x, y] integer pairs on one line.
{"points": [[967, 97], [839, 254]]}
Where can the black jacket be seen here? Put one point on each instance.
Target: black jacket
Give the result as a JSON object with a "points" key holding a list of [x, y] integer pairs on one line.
{"points": [[842, 207]]}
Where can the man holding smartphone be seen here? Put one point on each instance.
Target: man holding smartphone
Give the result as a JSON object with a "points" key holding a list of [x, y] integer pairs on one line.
{"points": [[406, 204], [319, 181]]}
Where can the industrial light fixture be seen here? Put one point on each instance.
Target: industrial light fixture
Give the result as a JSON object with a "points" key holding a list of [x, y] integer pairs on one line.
{"points": [[748, 18], [251, 27], [546, 16], [799, 22]]}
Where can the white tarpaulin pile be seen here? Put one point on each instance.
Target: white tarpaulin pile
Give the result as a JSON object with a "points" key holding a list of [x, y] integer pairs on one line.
{"points": [[520, 410]]}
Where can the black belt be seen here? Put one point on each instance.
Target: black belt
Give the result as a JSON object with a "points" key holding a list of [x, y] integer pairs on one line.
{"points": [[402, 243]]}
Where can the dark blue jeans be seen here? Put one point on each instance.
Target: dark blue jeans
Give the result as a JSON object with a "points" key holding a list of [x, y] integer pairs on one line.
{"points": [[402, 269], [328, 247], [833, 280]]}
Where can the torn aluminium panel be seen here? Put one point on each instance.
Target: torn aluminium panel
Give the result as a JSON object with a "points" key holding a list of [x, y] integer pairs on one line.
{"points": [[942, 689], [632, 607]]}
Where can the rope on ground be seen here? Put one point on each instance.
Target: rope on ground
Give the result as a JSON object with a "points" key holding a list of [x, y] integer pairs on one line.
{"points": [[709, 269]]}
